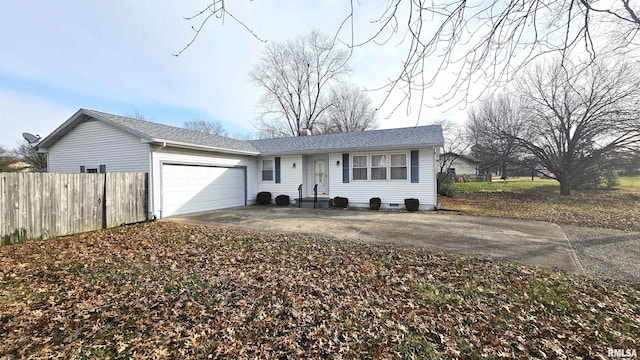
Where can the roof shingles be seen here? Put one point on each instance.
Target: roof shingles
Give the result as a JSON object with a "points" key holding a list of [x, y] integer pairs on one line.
{"points": [[155, 131], [400, 138], [389, 139]]}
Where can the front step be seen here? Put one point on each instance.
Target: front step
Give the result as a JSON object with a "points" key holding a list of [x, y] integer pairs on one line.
{"points": [[308, 203]]}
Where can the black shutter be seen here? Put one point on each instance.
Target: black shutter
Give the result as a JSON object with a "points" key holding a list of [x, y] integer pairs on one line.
{"points": [[103, 169], [277, 166], [83, 169], [415, 176], [345, 168]]}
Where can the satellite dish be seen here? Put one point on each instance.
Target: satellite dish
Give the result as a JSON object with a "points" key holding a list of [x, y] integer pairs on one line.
{"points": [[32, 139]]}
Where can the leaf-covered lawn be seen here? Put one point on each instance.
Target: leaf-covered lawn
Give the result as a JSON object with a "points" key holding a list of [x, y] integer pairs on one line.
{"points": [[185, 291], [541, 200]]}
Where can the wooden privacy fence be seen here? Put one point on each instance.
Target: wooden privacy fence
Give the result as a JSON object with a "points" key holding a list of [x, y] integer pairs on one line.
{"points": [[47, 205]]}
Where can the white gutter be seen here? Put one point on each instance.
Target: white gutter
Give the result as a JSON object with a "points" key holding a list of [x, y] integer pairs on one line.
{"points": [[204, 147]]}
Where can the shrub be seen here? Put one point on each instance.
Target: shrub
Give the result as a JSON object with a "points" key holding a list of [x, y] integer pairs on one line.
{"points": [[445, 189], [597, 177], [263, 198], [282, 200], [611, 179], [341, 202], [412, 204], [374, 203], [445, 184]]}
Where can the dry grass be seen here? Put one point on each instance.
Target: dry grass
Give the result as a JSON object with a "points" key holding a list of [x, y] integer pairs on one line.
{"points": [[541, 200]]}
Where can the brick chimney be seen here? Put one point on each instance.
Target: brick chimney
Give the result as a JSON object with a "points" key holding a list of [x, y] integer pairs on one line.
{"points": [[304, 132]]}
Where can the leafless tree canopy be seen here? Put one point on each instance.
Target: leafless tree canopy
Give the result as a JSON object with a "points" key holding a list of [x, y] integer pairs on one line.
{"points": [[135, 114], [6, 159], [455, 144], [479, 42], [492, 128], [349, 110], [294, 78], [209, 127], [27, 153], [575, 116]]}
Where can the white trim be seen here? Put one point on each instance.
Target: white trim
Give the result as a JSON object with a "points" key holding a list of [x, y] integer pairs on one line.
{"points": [[185, 145]]}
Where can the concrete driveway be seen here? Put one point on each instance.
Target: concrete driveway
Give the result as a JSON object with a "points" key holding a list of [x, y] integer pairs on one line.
{"points": [[528, 242]]}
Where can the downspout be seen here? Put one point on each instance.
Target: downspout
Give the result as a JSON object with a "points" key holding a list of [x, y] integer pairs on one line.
{"points": [[152, 197], [436, 155], [152, 207]]}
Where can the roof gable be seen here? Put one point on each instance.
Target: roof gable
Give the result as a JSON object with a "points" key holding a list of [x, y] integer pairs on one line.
{"points": [[153, 132]]}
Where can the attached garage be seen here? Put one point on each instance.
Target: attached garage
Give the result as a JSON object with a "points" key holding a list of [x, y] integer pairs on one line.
{"points": [[194, 188]]}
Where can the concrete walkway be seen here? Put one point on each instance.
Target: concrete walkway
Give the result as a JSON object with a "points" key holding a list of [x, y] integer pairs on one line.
{"points": [[528, 242]]}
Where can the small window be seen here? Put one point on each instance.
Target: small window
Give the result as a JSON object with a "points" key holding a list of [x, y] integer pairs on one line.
{"points": [[267, 170], [359, 168], [378, 167], [451, 171], [92, 171], [399, 167]]}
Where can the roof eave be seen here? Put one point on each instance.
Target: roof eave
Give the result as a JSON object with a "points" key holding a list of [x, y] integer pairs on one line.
{"points": [[185, 145], [352, 149]]}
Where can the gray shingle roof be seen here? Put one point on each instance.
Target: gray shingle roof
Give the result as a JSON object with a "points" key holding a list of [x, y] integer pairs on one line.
{"points": [[154, 131], [401, 138]]}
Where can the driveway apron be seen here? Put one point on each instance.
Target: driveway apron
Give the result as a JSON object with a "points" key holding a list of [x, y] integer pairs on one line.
{"points": [[531, 243]]}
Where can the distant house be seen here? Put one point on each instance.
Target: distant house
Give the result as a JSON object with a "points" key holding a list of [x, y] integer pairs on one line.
{"points": [[21, 166], [192, 171], [457, 164]]}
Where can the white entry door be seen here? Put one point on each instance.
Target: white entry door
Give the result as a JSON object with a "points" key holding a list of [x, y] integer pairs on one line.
{"points": [[320, 176]]}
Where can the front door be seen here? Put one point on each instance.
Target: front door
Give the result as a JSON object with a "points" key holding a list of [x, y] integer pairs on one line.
{"points": [[320, 176]]}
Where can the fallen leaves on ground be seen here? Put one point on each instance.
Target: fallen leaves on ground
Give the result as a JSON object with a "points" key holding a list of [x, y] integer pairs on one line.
{"points": [[166, 290], [590, 208]]}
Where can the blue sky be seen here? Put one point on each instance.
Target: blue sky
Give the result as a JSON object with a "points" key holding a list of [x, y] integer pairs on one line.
{"points": [[116, 56]]}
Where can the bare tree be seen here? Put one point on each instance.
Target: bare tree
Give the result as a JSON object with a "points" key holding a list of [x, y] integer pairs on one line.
{"points": [[493, 127], [6, 160], [209, 127], [478, 42], [349, 110], [294, 77], [135, 114], [578, 116], [455, 145], [29, 154]]}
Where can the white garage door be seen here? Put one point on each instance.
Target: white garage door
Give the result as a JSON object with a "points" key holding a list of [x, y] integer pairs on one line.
{"points": [[188, 189]]}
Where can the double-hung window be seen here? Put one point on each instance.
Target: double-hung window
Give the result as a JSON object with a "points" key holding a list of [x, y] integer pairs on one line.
{"points": [[398, 166], [267, 170], [378, 167], [360, 167]]}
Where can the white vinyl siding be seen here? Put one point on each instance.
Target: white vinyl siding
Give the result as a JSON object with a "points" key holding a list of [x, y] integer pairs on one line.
{"points": [[389, 191], [290, 178], [195, 157], [93, 143]]}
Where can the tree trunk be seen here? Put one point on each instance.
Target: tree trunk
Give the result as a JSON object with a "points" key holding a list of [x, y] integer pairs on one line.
{"points": [[565, 187], [503, 171]]}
